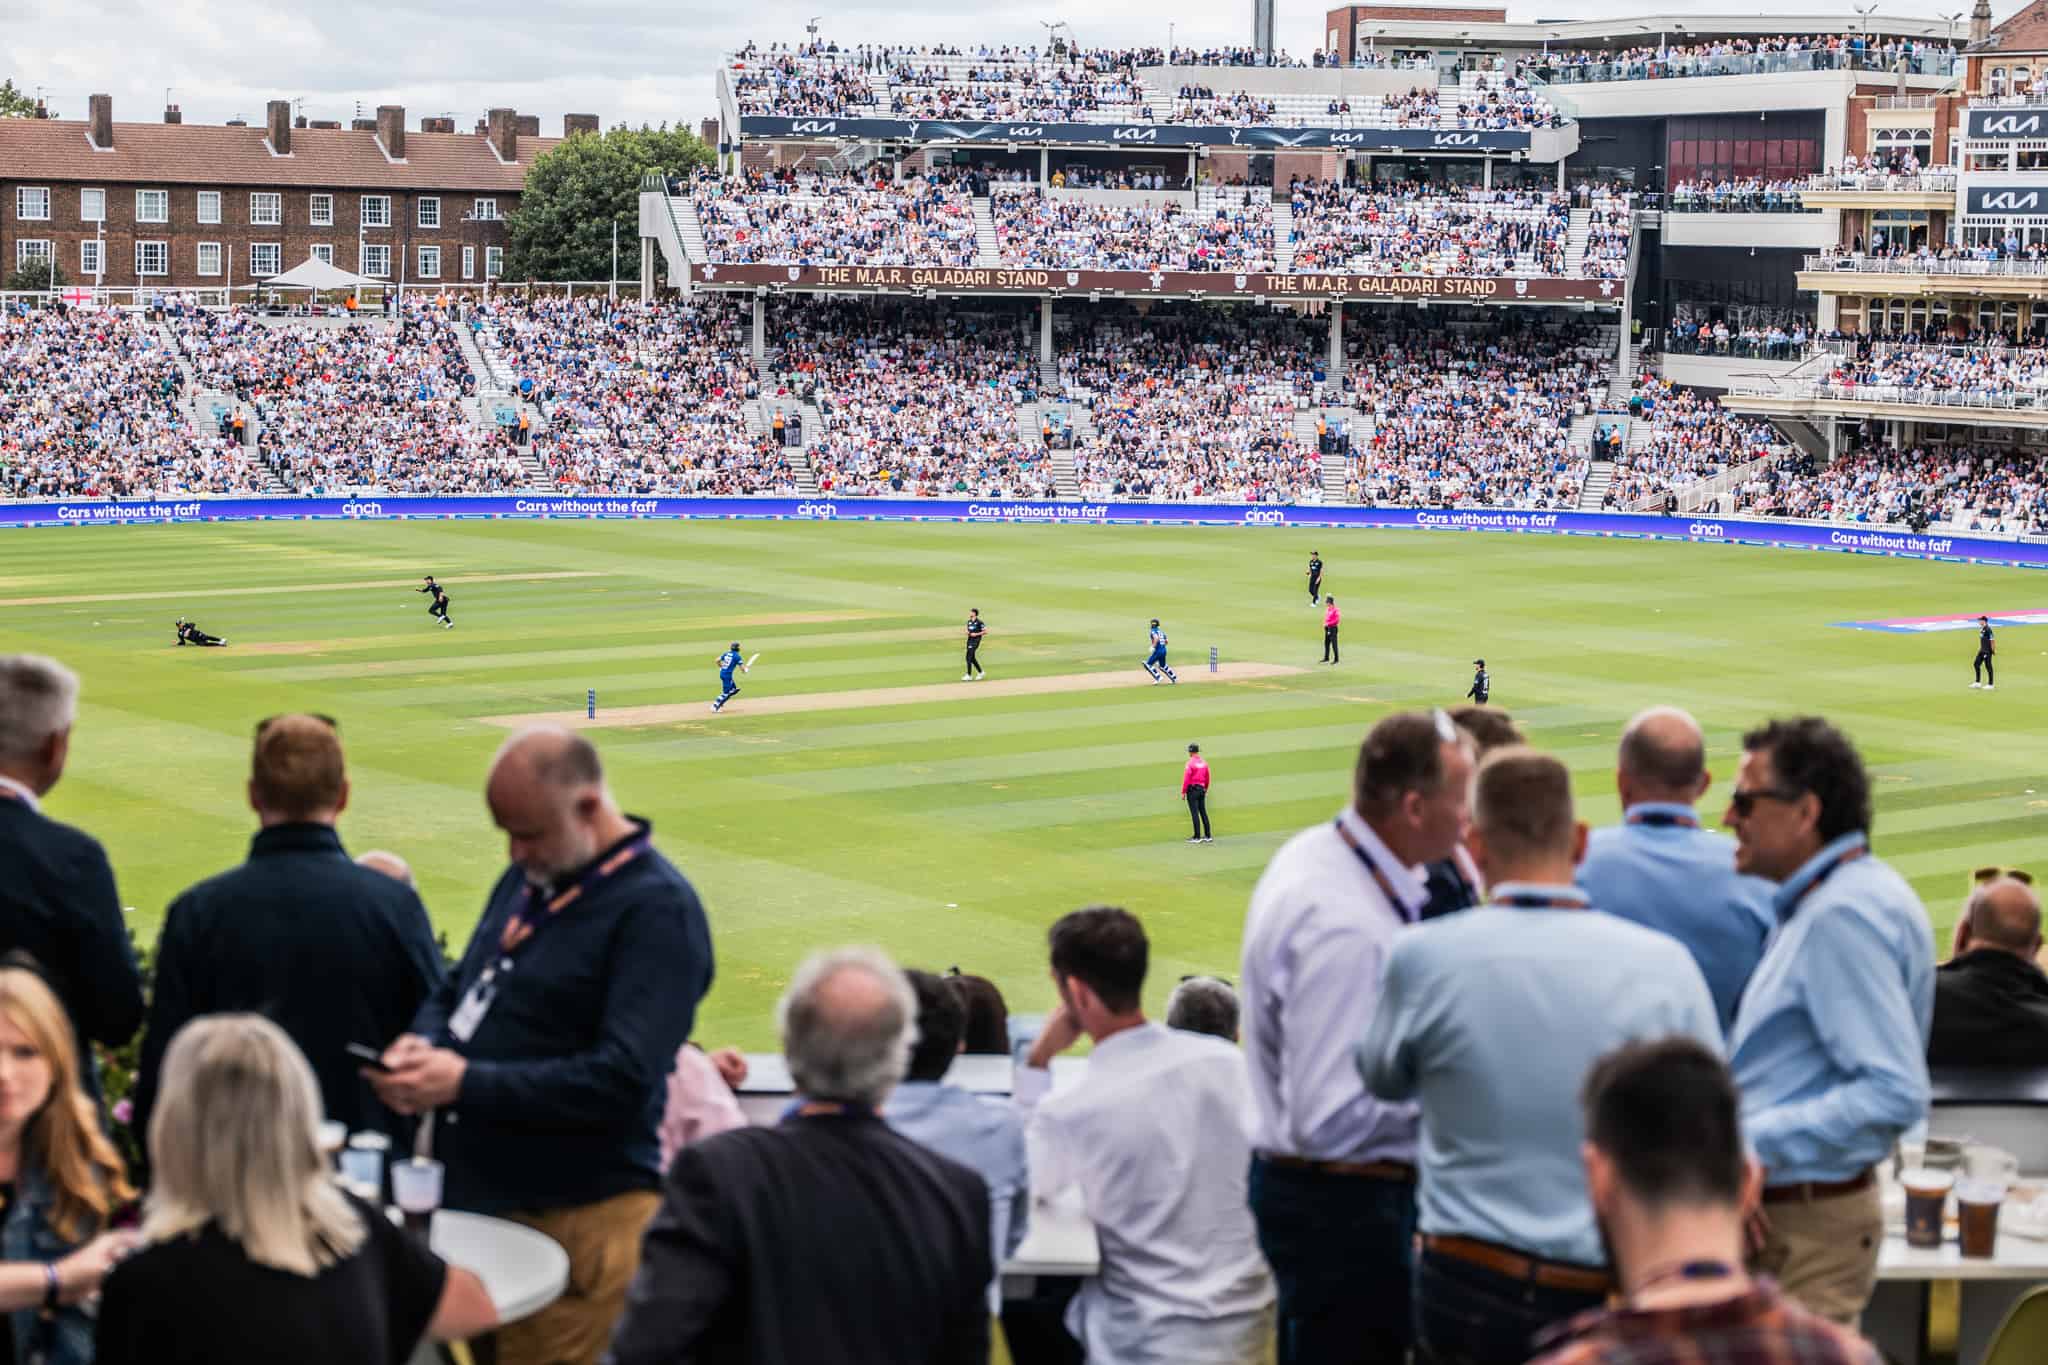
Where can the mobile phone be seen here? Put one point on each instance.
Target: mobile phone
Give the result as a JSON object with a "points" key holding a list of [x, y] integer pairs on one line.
{"points": [[368, 1056]]}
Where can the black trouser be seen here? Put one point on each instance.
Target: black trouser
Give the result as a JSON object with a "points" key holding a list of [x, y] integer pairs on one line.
{"points": [[1315, 588], [973, 648], [1329, 644], [1198, 811], [439, 608], [1981, 666], [200, 637]]}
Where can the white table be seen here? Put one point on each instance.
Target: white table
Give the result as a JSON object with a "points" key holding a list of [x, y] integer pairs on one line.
{"points": [[523, 1271], [767, 1090], [1059, 1241], [1897, 1317]]}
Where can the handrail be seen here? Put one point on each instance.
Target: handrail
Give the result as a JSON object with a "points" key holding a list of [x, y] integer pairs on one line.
{"points": [[1923, 265], [1859, 182]]}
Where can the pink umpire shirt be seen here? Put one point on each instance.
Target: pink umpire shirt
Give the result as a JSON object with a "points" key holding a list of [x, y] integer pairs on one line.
{"points": [[1196, 774]]}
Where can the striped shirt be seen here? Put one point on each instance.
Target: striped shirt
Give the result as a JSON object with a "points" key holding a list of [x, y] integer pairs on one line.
{"points": [[1761, 1327]]}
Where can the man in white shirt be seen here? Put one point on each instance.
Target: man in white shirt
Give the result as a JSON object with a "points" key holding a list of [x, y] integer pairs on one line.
{"points": [[1333, 1181], [1154, 1139]]}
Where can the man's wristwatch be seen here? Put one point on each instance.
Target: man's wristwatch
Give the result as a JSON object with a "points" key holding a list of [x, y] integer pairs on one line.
{"points": [[50, 1286]]}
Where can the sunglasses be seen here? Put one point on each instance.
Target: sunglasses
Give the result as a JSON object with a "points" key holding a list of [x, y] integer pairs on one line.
{"points": [[1197, 976], [1992, 874], [1743, 802], [268, 721]]}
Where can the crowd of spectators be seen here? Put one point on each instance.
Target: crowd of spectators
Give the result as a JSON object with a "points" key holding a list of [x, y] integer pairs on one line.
{"points": [[1224, 230], [1413, 229], [1743, 194], [1737, 57], [639, 398], [1192, 405], [1997, 491], [916, 398], [782, 217], [1681, 437], [93, 404], [366, 405], [1609, 223], [2000, 376], [793, 86], [1779, 338], [1469, 416]]}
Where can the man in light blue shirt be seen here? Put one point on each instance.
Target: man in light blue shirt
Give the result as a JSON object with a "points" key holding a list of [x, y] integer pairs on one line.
{"points": [[1659, 869], [1830, 1041], [1491, 1018], [984, 1135]]}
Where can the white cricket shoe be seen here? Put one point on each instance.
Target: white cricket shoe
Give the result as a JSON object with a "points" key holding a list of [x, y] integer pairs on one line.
{"points": [[966, 677], [1988, 687], [1976, 685]]}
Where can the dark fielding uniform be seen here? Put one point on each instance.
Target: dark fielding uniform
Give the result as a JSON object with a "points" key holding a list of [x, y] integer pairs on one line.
{"points": [[190, 634], [1482, 685], [1981, 667], [1315, 578], [975, 626], [440, 607]]}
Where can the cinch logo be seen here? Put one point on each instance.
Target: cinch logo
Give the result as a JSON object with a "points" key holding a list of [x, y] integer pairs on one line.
{"points": [[816, 509], [362, 509], [1134, 135], [1455, 140], [1706, 530], [812, 125], [1025, 132], [1272, 518], [2012, 125], [2012, 201]]}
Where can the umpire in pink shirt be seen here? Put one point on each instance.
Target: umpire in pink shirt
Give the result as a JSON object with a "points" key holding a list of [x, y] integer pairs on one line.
{"points": [[1194, 788], [1331, 616]]}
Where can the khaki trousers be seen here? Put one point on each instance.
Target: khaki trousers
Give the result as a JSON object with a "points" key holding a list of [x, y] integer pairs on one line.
{"points": [[1823, 1252], [603, 1242]]}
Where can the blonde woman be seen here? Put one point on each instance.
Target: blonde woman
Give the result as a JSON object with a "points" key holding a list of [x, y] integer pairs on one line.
{"points": [[60, 1179], [251, 1251]]}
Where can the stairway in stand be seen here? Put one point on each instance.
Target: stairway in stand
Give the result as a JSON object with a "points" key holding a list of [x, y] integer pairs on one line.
{"points": [[987, 250], [1599, 474]]}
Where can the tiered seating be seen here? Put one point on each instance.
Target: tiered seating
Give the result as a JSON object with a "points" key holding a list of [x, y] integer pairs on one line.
{"points": [[916, 399], [801, 86], [1412, 229], [1608, 225], [1187, 405], [1691, 438], [812, 220], [1472, 416], [640, 398], [1222, 230], [91, 406], [1737, 57], [2002, 376], [1960, 488]]}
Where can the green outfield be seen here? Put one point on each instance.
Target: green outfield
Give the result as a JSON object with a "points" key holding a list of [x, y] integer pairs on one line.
{"points": [[954, 826]]}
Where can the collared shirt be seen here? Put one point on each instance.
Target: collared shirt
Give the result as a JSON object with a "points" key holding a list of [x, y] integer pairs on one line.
{"points": [[1491, 1017], [984, 1135], [1830, 1042], [27, 796], [1662, 871], [1760, 1327], [1154, 1139], [1315, 944], [1196, 774]]}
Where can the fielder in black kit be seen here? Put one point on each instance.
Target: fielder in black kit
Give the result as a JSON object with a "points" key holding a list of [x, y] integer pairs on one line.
{"points": [[1981, 666], [1315, 576], [439, 608], [975, 629], [189, 633]]}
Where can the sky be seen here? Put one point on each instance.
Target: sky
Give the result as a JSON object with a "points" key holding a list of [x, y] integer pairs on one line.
{"points": [[632, 61]]}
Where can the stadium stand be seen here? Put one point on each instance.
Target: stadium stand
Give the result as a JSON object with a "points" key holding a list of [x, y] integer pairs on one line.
{"points": [[1223, 229], [816, 220], [1680, 437], [1411, 229]]}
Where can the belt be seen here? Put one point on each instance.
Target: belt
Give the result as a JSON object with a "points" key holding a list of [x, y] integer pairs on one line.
{"points": [[1806, 1191], [1516, 1265], [1399, 1171]]}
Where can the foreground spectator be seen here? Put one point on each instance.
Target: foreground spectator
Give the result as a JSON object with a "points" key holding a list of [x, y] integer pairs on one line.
{"points": [[1204, 1004], [253, 1252], [546, 1050], [1453, 882], [349, 962], [829, 1237], [67, 1180], [1661, 870], [1491, 1018], [985, 1136], [1991, 999], [57, 898], [1333, 1178], [1155, 1139], [699, 1102], [1830, 1041], [988, 1016], [1671, 1185]]}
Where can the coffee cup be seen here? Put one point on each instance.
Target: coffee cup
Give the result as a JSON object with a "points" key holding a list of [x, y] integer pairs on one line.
{"points": [[1977, 1204], [1994, 1165], [1926, 1199]]}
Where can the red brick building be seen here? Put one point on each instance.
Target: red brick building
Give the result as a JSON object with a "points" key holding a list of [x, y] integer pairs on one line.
{"points": [[181, 205]]}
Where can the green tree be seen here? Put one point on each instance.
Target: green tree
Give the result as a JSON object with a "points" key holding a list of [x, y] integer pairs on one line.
{"points": [[15, 103], [36, 274], [575, 193]]}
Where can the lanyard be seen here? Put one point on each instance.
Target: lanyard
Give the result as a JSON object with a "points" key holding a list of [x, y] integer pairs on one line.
{"points": [[801, 1109], [1536, 900], [533, 916], [1690, 1270], [1847, 856], [1372, 867], [1661, 819]]}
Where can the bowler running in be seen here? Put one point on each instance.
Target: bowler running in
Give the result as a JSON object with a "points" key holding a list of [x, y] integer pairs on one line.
{"points": [[1155, 662], [727, 662]]}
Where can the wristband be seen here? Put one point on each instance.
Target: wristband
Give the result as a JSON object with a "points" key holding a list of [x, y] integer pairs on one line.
{"points": [[50, 1286]]}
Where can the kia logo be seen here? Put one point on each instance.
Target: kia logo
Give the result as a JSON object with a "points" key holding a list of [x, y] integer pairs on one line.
{"points": [[2012, 201], [1345, 139], [2012, 125], [811, 125], [1025, 132], [1134, 135], [1455, 140]]}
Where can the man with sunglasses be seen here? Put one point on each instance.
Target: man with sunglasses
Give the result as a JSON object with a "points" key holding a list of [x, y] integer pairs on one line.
{"points": [[1829, 1044]]}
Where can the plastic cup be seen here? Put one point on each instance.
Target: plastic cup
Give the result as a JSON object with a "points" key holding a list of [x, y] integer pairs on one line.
{"points": [[363, 1167], [1977, 1204], [1926, 1198], [416, 1189]]}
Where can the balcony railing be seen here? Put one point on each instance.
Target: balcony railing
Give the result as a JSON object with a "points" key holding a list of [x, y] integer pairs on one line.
{"points": [[1980, 399], [1906, 101], [1924, 265], [1934, 63], [1925, 182]]}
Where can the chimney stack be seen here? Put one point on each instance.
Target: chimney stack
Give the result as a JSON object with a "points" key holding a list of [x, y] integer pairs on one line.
{"points": [[362, 125], [1980, 23], [572, 124], [437, 125], [391, 130], [102, 125], [172, 115], [527, 124], [708, 131], [277, 122], [325, 123], [504, 133]]}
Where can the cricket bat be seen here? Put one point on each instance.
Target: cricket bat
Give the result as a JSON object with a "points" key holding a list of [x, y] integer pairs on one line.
{"points": [[750, 662]]}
